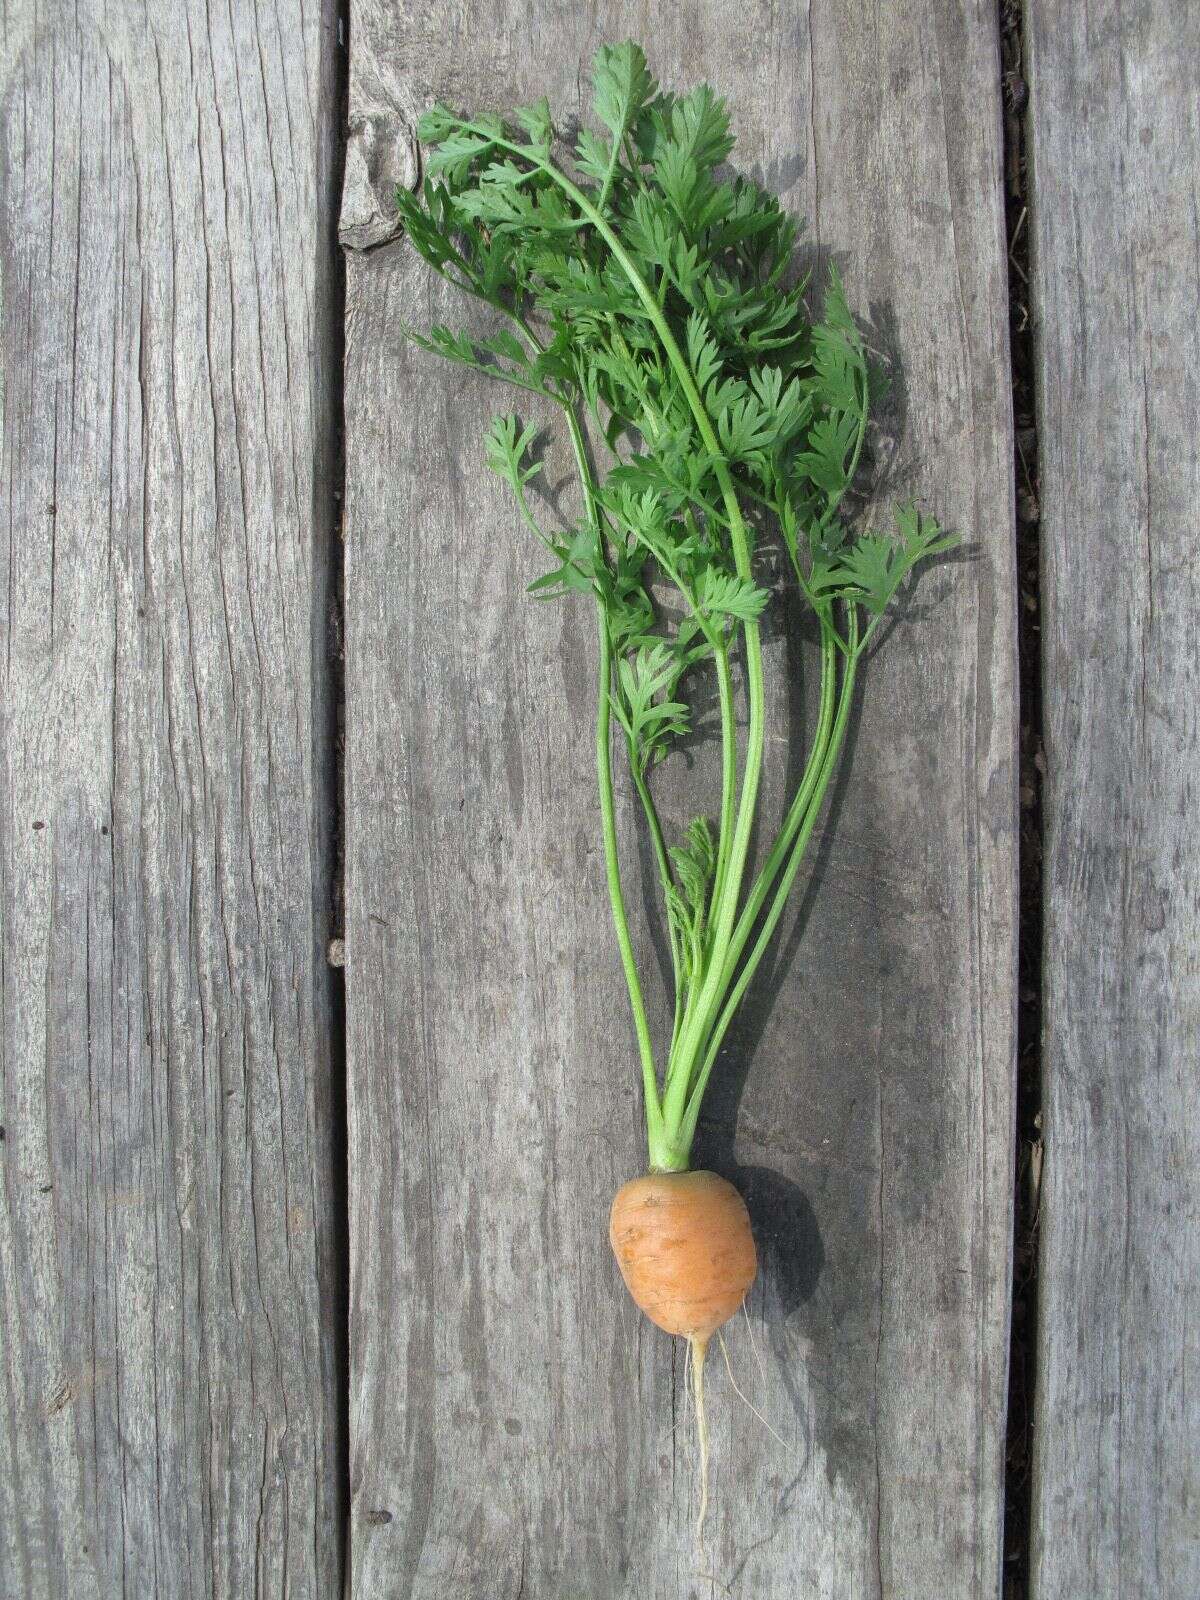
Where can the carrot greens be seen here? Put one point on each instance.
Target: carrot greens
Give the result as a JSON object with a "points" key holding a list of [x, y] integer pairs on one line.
{"points": [[646, 294]]}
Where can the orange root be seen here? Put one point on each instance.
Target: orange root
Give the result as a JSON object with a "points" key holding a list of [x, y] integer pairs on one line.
{"points": [[684, 1246]]}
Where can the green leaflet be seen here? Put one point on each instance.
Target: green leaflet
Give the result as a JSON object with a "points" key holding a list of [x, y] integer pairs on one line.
{"points": [[621, 87], [647, 709], [724, 594], [506, 449], [694, 862]]}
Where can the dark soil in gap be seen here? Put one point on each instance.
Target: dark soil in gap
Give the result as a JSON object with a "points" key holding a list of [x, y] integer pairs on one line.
{"points": [[1019, 1458], [337, 78]]}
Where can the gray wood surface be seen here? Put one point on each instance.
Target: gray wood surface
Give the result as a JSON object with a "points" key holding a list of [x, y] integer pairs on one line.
{"points": [[1116, 147], [517, 1429], [167, 1286]]}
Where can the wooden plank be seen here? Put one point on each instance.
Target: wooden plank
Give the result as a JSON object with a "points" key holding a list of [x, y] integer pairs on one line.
{"points": [[1115, 137], [167, 1274], [517, 1430]]}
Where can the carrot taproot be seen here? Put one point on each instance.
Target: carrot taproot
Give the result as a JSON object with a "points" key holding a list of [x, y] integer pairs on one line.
{"points": [[685, 1248]]}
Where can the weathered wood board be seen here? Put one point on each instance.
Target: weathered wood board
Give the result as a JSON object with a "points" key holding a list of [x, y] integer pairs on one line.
{"points": [[517, 1429], [1115, 129], [168, 1421]]}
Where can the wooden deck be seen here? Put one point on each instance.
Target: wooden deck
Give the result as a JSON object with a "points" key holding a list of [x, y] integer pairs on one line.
{"points": [[1117, 1483], [304, 1283], [168, 1277]]}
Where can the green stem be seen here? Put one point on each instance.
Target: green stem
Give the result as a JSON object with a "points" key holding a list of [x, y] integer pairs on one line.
{"points": [[728, 763], [728, 776], [608, 823], [665, 873], [612, 867], [528, 517], [798, 808], [687, 1125]]}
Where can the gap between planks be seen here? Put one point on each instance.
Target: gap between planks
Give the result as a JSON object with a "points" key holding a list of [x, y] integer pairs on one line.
{"points": [[329, 646], [1018, 180]]}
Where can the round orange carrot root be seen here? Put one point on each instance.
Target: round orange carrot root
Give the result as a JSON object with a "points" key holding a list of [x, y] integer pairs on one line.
{"points": [[684, 1246]]}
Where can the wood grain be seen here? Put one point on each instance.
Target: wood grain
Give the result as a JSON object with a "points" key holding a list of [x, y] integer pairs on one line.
{"points": [[517, 1429], [167, 1280], [1115, 141]]}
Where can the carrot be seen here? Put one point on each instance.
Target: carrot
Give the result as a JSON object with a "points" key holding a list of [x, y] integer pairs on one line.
{"points": [[640, 293], [686, 1251]]}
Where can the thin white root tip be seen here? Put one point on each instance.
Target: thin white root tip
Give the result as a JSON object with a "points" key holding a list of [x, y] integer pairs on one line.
{"points": [[758, 1360], [747, 1403], [698, 1348]]}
